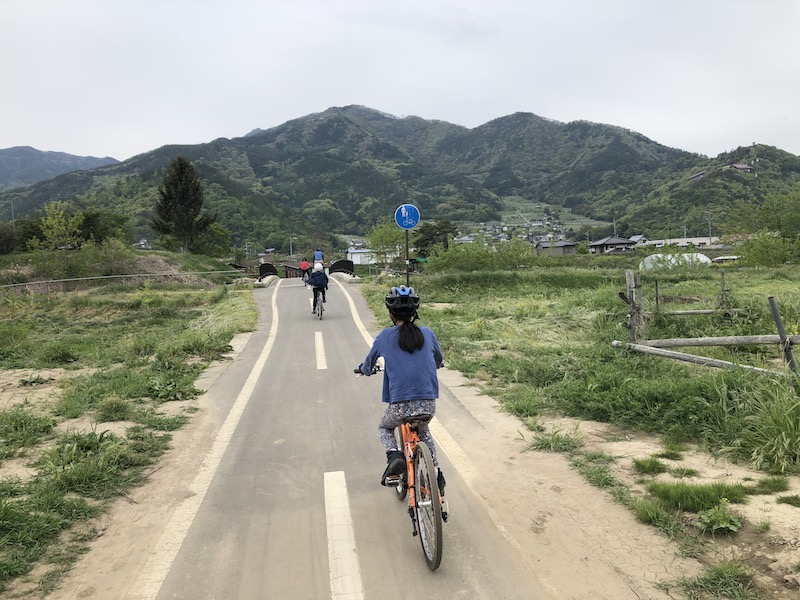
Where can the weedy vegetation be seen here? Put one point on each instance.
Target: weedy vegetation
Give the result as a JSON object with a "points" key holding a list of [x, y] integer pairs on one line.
{"points": [[128, 349]]}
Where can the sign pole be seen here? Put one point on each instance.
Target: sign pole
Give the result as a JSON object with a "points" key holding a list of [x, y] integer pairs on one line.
{"points": [[408, 281], [407, 217]]}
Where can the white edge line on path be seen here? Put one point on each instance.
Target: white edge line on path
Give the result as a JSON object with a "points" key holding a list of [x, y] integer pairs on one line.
{"points": [[157, 567], [345, 573], [354, 313]]}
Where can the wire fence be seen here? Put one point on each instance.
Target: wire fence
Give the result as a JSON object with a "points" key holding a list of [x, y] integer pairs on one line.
{"points": [[49, 284]]}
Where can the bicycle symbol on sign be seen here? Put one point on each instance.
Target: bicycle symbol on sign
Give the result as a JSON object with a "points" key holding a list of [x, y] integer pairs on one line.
{"points": [[407, 216]]}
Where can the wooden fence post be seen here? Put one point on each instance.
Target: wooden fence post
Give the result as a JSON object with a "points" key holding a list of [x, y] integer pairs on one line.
{"points": [[725, 302], [657, 299], [632, 318], [786, 344]]}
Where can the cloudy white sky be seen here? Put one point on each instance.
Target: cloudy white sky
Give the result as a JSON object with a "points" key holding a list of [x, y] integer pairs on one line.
{"points": [[121, 77]]}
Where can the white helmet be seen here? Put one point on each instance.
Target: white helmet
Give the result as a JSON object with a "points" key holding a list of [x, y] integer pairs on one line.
{"points": [[318, 266]]}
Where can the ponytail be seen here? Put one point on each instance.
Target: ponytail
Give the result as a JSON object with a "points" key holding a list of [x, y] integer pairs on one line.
{"points": [[410, 337]]}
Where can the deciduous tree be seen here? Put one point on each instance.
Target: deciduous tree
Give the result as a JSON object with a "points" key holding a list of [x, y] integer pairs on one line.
{"points": [[60, 229], [385, 241]]}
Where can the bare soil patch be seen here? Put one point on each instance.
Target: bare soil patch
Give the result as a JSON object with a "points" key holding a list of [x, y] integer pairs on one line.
{"points": [[769, 541]]}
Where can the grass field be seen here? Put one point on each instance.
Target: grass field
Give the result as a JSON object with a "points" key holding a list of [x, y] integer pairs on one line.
{"points": [[540, 340]]}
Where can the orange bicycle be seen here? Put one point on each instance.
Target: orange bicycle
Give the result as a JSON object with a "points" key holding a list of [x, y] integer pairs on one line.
{"points": [[426, 506]]}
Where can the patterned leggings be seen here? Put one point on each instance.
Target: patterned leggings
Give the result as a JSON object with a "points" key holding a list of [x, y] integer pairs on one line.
{"points": [[393, 417]]}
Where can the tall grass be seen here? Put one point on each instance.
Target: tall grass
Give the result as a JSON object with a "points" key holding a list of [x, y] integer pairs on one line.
{"points": [[771, 431], [539, 337]]}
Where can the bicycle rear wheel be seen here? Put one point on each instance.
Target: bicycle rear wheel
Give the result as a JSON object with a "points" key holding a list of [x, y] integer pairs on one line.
{"points": [[401, 488], [428, 509], [319, 306]]}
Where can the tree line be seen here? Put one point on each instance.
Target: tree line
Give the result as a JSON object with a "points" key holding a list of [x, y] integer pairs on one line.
{"points": [[178, 216], [768, 232]]}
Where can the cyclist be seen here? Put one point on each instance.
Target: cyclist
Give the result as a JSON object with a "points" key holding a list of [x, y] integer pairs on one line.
{"points": [[319, 283], [317, 255], [410, 387], [305, 268]]}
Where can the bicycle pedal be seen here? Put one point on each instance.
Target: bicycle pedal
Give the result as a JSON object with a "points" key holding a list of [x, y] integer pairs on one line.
{"points": [[445, 510], [391, 481]]}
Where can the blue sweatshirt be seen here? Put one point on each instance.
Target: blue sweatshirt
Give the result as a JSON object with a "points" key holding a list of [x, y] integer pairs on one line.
{"points": [[318, 279], [406, 375]]}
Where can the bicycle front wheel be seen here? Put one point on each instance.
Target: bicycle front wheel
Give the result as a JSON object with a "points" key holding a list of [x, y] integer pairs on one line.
{"points": [[428, 509]]}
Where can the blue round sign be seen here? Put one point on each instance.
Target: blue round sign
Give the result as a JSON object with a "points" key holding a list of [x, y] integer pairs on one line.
{"points": [[406, 216]]}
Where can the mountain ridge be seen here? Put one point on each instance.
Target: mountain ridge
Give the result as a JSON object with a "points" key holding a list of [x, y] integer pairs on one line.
{"points": [[21, 166], [346, 168]]}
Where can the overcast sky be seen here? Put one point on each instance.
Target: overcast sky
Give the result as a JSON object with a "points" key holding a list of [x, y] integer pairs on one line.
{"points": [[121, 77]]}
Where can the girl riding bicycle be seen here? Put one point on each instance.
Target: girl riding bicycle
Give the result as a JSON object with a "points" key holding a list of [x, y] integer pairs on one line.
{"points": [[410, 386], [319, 283]]}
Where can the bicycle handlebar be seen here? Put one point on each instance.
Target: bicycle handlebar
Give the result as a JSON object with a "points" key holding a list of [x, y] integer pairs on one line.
{"points": [[375, 369]]}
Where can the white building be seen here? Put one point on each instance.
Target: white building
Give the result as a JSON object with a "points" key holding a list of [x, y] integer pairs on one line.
{"points": [[697, 242], [361, 256]]}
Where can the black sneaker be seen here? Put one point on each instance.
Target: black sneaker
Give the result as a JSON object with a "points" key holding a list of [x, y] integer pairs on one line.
{"points": [[395, 465], [441, 482]]}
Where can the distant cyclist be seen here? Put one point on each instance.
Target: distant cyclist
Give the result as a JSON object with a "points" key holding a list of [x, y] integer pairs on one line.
{"points": [[305, 268], [319, 283], [410, 386], [318, 257]]}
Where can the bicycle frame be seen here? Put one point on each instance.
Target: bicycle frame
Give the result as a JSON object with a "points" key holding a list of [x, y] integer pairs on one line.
{"points": [[410, 438]]}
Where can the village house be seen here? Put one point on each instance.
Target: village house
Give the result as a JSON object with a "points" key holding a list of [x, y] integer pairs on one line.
{"points": [[562, 248], [611, 243], [361, 256]]}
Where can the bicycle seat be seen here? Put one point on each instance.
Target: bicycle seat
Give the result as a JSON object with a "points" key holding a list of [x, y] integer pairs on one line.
{"points": [[418, 420]]}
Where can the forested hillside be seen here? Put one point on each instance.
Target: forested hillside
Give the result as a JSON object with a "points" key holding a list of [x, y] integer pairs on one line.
{"points": [[344, 169], [23, 166]]}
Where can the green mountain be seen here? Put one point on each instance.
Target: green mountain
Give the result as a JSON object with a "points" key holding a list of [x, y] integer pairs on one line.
{"points": [[343, 169], [22, 166]]}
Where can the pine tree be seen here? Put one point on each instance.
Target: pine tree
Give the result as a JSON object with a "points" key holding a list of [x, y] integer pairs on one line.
{"points": [[178, 209]]}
